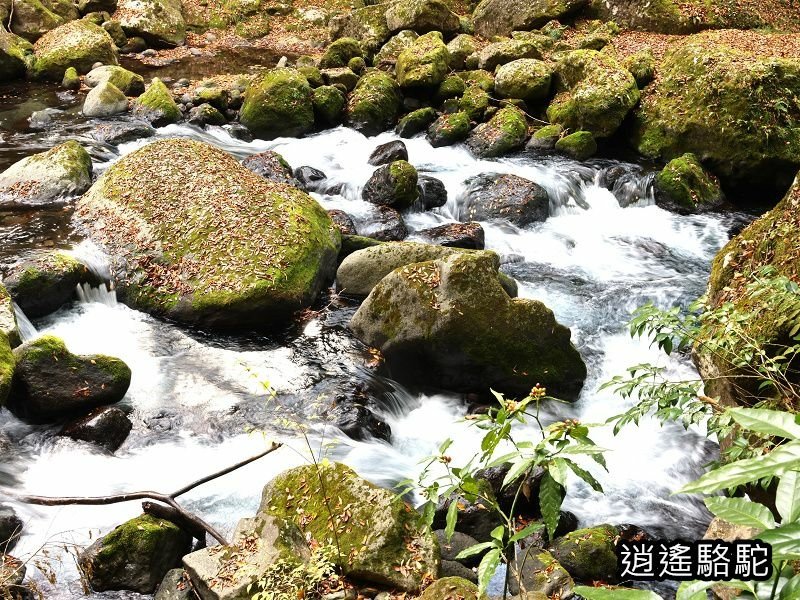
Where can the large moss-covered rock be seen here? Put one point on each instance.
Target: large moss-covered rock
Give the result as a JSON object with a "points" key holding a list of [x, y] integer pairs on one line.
{"points": [[157, 22], [505, 131], [379, 537], [45, 281], [375, 103], [538, 572], [157, 105], [329, 104], [735, 110], [129, 83], [203, 240], [7, 365], [450, 323], [595, 93], [449, 129], [340, 53], [580, 145], [135, 556], [104, 100], [588, 554], [459, 48], [50, 382], [386, 57], [451, 588], [685, 186], [505, 51], [15, 55], [474, 102], [416, 122], [279, 104], [425, 63], [367, 25], [8, 318], [392, 185], [524, 79], [78, 44], [31, 19], [501, 17], [422, 16], [46, 178]]}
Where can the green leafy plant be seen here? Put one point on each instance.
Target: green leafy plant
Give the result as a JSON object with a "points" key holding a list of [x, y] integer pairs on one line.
{"points": [[289, 580]]}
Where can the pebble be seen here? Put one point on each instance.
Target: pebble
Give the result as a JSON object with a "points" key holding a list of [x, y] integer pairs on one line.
{"points": [[149, 52]]}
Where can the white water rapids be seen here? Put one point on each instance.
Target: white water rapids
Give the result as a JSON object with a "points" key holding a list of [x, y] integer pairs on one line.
{"points": [[193, 395]]}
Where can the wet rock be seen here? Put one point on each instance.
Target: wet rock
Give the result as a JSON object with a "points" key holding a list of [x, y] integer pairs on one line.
{"points": [[389, 532], [15, 55], [277, 233], [489, 342], [375, 103], [508, 197], [385, 224], [8, 318], [107, 427], [588, 554], [127, 82], [458, 542], [388, 153], [358, 422], [580, 145], [340, 52], [104, 100], [46, 178], [272, 166], [422, 16], [507, 496], [354, 243], [239, 132], [78, 44], [415, 122], [538, 571], [432, 192], [343, 221], [506, 131], [157, 105], [71, 80], [279, 104], [119, 132], [545, 138], [686, 187], [424, 64], [451, 587], [50, 382], [42, 119], [311, 179], [175, 586], [393, 185], [205, 114], [7, 368], [135, 556], [159, 23], [449, 129], [10, 529], [12, 575], [455, 235]]}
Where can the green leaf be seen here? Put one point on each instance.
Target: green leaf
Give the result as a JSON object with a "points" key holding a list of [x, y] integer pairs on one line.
{"points": [[498, 533], [525, 532], [598, 593], [452, 517], [694, 590], [473, 550], [791, 589], [787, 497], [516, 471], [550, 499], [487, 569], [785, 541], [767, 422], [586, 476], [558, 471], [741, 512], [776, 463]]}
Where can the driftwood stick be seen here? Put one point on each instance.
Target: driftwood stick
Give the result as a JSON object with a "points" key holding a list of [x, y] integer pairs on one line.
{"points": [[180, 517]]}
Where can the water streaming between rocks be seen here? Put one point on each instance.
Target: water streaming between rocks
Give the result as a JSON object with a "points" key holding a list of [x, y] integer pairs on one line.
{"points": [[199, 402]]}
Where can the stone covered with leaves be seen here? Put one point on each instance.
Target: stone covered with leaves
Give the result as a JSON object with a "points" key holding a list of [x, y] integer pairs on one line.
{"points": [[246, 257], [425, 63], [378, 538]]}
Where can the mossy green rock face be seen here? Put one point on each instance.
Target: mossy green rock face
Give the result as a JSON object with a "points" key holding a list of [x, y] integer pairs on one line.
{"points": [[15, 55], [451, 588], [474, 102], [452, 87], [505, 131], [545, 138], [375, 103], [71, 81], [46, 281], [7, 365], [579, 145], [642, 66], [422, 16], [340, 52], [387, 56], [367, 25], [8, 319], [31, 19], [736, 111], [684, 185], [459, 48], [416, 122], [595, 93], [130, 84], [157, 105], [206, 241], [588, 554], [157, 22], [525, 79], [540, 572], [78, 44], [501, 17], [506, 51], [329, 104], [450, 323], [449, 129], [46, 178], [424, 64], [50, 382], [380, 541], [392, 185], [135, 556], [279, 104]]}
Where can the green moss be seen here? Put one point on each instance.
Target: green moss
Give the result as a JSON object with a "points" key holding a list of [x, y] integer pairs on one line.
{"points": [[404, 177], [452, 87], [47, 348], [367, 25], [329, 105], [459, 48], [7, 365], [451, 587], [548, 131], [78, 44], [449, 129], [157, 104], [588, 554], [141, 535], [506, 51], [340, 52], [312, 75], [374, 104], [416, 122], [15, 55], [423, 64], [482, 79], [579, 145], [684, 182], [642, 66], [131, 84], [505, 131], [474, 102], [279, 104], [71, 81], [354, 243], [525, 79]]}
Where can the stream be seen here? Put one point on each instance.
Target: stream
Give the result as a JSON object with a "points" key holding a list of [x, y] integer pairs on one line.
{"points": [[200, 402]]}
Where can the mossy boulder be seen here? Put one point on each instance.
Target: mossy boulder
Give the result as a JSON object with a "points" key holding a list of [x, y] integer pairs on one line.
{"points": [[46, 178], [78, 44], [272, 166], [538, 572], [422, 16], [579, 145], [451, 588], [129, 83], [380, 539], [343, 76], [157, 105], [367, 25], [475, 102], [545, 138], [685, 186], [158, 22], [104, 100], [16, 54], [135, 556], [506, 131], [50, 382], [329, 104], [340, 52], [459, 48], [588, 554], [452, 87], [386, 57], [375, 103], [501, 17], [31, 19], [642, 65], [279, 104], [735, 110], [595, 93], [416, 122], [273, 245], [478, 77], [8, 318], [71, 80], [449, 129], [424, 64], [7, 366], [449, 323], [205, 114], [392, 185], [500, 53], [525, 79]]}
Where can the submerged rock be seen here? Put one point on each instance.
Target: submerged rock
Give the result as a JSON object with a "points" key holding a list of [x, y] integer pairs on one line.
{"points": [[375, 103], [449, 323], [279, 104], [358, 422], [158, 22], [107, 427], [50, 382], [392, 185], [78, 44], [272, 166], [135, 556], [388, 546], [46, 178], [156, 211], [501, 17], [502, 196]]}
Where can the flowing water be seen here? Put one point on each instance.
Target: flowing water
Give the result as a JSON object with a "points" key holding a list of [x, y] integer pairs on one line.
{"points": [[200, 402]]}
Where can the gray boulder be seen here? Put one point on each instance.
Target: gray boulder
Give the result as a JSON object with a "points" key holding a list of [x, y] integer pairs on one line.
{"points": [[501, 17], [105, 100], [422, 16], [508, 197], [158, 22]]}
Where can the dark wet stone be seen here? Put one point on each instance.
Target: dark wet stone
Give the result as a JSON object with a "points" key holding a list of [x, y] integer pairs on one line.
{"points": [[432, 192], [107, 427], [388, 153], [121, 131], [386, 225], [455, 235], [343, 221]]}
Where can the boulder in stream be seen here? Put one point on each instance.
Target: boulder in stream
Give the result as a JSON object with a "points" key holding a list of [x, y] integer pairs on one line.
{"points": [[10, 528], [245, 257], [104, 100], [46, 178], [79, 44], [15, 55], [51, 383], [588, 554], [129, 83], [449, 323], [684, 186], [107, 427], [455, 235], [385, 224], [8, 318], [7, 366], [375, 103], [278, 104], [505, 131], [502, 196], [388, 153], [392, 185], [432, 192], [272, 166], [157, 105]]}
